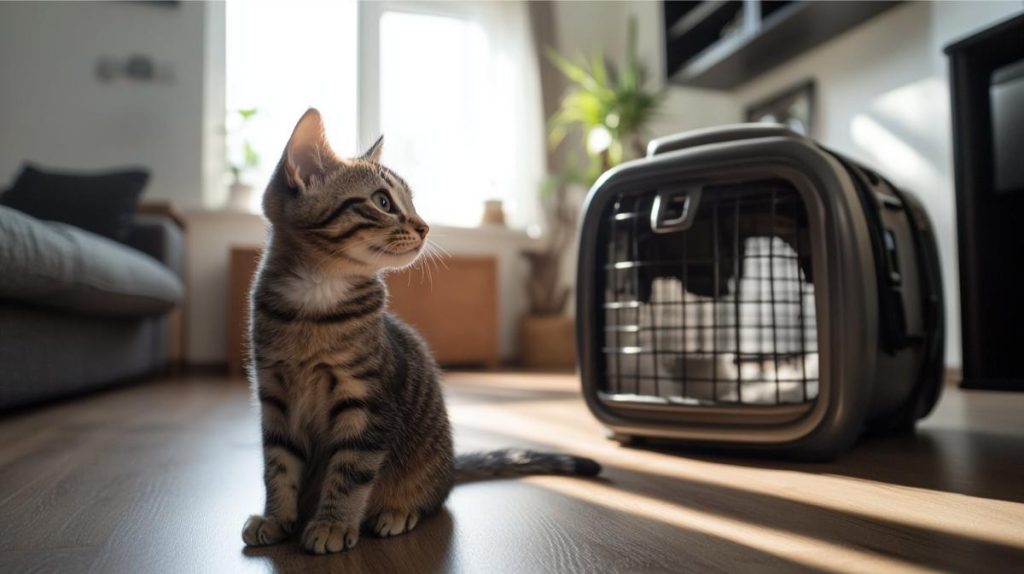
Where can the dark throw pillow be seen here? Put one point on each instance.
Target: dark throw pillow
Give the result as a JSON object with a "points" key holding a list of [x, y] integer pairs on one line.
{"points": [[103, 203]]}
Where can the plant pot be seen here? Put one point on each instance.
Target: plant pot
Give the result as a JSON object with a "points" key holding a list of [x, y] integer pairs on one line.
{"points": [[548, 342], [240, 197], [494, 213]]}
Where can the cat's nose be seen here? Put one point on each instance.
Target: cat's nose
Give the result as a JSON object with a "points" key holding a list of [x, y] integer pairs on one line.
{"points": [[421, 228]]}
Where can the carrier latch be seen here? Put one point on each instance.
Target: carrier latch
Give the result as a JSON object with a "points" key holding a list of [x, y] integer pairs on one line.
{"points": [[674, 210]]}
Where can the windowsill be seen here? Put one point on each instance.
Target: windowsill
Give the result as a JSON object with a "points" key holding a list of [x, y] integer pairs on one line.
{"points": [[442, 234], [496, 231], [203, 212]]}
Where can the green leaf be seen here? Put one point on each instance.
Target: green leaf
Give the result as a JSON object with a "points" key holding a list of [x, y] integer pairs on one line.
{"points": [[599, 96], [250, 156], [600, 73], [572, 71]]}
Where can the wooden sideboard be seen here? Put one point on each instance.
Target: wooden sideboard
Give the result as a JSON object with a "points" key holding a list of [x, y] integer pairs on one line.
{"points": [[455, 308]]}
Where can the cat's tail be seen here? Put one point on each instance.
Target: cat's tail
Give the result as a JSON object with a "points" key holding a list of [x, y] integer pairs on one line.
{"points": [[511, 462]]}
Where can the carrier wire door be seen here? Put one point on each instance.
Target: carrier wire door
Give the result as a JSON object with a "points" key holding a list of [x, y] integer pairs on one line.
{"points": [[721, 312]]}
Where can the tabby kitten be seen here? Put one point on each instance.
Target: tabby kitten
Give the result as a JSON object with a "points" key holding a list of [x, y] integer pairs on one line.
{"points": [[355, 430]]}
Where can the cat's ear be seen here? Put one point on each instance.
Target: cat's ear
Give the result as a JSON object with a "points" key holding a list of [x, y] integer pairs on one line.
{"points": [[373, 154], [308, 154]]}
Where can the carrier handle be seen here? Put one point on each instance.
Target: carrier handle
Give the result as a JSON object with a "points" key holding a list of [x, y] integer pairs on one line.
{"points": [[717, 135], [674, 210]]}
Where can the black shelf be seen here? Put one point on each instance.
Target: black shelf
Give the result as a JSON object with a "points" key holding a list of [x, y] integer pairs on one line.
{"points": [[987, 96], [723, 43]]}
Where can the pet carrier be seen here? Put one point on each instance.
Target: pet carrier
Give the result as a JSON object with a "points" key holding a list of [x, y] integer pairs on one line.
{"points": [[744, 286]]}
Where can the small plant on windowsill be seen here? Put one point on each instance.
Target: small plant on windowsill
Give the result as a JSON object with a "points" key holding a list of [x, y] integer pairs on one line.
{"points": [[242, 161], [607, 110]]}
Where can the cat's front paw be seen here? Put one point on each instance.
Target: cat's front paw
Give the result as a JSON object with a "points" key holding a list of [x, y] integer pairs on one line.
{"points": [[323, 536], [265, 530], [393, 523]]}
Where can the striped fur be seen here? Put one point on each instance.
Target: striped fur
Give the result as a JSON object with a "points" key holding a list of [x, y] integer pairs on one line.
{"points": [[355, 430]]}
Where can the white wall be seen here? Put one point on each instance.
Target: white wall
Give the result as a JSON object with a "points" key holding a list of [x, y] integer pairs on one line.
{"points": [[213, 189], [211, 235], [55, 111], [883, 98]]}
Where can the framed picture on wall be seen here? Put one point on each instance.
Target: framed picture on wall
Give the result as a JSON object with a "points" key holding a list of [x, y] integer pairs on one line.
{"points": [[793, 107]]}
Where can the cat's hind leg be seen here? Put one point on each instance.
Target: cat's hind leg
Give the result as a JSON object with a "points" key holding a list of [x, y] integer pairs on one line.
{"points": [[401, 497], [394, 522]]}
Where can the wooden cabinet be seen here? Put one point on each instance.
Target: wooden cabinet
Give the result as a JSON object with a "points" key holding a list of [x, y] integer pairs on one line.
{"points": [[454, 308]]}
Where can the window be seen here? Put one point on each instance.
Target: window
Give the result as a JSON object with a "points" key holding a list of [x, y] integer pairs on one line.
{"points": [[453, 87], [282, 58], [454, 90], [433, 112]]}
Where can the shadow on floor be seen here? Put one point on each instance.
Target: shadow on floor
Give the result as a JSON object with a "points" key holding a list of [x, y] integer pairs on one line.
{"points": [[932, 548], [892, 460]]}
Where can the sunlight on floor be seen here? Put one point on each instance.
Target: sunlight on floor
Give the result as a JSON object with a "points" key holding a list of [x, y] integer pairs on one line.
{"points": [[795, 547]]}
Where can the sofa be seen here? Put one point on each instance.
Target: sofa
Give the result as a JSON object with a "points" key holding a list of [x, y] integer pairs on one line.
{"points": [[80, 311]]}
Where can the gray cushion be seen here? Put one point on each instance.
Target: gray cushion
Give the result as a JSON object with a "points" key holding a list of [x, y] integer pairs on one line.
{"points": [[100, 202], [63, 267]]}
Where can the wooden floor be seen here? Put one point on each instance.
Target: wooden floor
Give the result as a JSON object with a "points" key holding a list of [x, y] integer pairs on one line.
{"points": [[160, 477]]}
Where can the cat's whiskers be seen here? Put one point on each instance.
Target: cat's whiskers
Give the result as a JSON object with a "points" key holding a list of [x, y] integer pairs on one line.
{"points": [[424, 264], [427, 257], [437, 253], [430, 258], [436, 245]]}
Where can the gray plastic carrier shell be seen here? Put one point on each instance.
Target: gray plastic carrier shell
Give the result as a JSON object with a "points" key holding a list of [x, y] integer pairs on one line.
{"points": [[745, 287]]}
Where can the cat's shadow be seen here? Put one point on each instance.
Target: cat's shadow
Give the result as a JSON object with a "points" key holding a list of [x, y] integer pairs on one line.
{"points": [[425, 549]]}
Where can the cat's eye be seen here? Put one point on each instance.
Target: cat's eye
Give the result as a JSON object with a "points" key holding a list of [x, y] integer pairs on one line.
{"points": [[382, 200]]}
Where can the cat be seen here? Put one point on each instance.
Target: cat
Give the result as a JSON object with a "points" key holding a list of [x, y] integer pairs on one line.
{"points": [[355, 430]]}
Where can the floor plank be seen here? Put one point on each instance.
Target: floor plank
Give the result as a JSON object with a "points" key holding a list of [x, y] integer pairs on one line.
{"points": [[159, 478]]}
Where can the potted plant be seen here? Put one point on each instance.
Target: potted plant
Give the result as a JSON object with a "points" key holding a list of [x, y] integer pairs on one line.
{"points": [[242, 161], [608, 109]]}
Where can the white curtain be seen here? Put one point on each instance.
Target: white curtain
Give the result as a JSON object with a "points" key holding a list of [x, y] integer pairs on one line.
{"points": [[454, 88]]}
